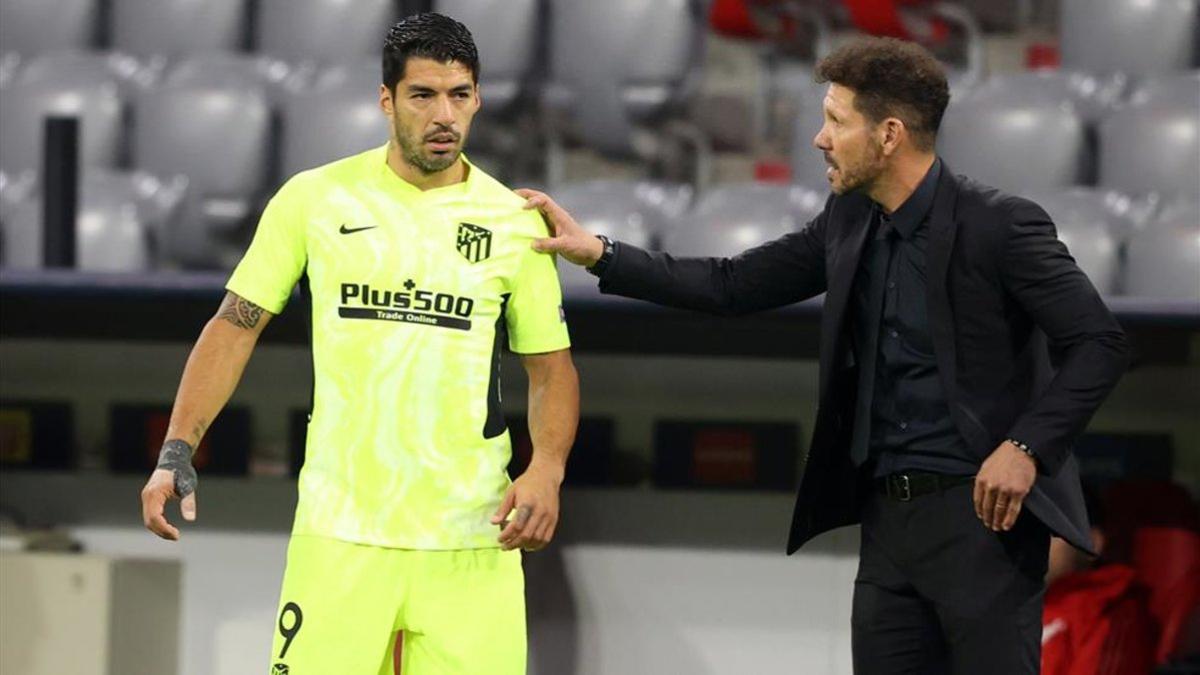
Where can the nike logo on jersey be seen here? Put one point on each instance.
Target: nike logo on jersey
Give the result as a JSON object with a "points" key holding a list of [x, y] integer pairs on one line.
{"points": [[352, 230]]}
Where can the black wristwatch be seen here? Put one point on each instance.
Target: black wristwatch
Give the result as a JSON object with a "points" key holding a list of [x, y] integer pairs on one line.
{"points": [[606, 256]]}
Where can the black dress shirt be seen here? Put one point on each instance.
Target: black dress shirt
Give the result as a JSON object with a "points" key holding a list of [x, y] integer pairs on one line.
{"points": [[910, 427]]}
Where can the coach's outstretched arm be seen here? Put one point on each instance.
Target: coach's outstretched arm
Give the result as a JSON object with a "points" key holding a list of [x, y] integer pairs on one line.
{"points": [[777, 273], [209, 378]]}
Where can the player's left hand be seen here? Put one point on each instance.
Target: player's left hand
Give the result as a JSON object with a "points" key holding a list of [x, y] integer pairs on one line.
{"points": [[1001, 485], [534, 495]]}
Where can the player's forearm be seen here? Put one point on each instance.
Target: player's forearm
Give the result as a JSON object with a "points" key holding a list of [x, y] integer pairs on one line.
{"points": [[553, 413], [212, 373]]}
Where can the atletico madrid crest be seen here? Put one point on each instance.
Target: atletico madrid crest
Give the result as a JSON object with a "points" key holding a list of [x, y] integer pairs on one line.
{"points": [[474, 242]]}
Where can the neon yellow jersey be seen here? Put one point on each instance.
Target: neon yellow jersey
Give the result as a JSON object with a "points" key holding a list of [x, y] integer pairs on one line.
{"points": [[412, 295]]}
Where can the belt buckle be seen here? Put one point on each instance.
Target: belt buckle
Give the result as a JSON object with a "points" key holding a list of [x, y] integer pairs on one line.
{"points": [[903, 488]]}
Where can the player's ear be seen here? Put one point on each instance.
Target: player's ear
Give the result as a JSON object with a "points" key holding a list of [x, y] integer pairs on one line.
{"points": [[386, 103]]}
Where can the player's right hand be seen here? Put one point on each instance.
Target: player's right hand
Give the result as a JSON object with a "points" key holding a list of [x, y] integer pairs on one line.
{"points": [[158, 491], [569, 239]]}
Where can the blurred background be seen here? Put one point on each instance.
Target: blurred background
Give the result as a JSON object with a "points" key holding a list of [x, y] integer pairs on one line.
{"points": [[139, 140]]}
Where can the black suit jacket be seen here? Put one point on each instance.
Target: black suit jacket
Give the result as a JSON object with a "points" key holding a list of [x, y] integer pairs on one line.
{"points": [[999, 283]]}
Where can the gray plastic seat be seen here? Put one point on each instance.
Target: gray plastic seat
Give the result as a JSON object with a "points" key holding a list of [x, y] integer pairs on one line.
{"points": [[506, 35], [808, 163], [1181, 89], [31, 27], [323, 31], [1163, 261], [732, 218], [174, 28], [337, 117], [617, 65], [1092, 231], [210, 125], [1152, 147], [120, 217], [1132, 37], [70, 85], [1093, 97], [275, 78], [215, 128], [1015, 134], [633, 212]]}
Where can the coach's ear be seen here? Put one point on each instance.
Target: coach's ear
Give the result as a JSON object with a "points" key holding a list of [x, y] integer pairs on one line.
{"points": [[892, 132]]}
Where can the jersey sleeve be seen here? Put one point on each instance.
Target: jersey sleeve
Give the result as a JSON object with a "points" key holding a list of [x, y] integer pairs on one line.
{"points": [[535, 318], [277, 256]]}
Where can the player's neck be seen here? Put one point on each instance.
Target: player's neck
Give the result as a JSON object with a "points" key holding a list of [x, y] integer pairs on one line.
{"points": [[455, 173]]}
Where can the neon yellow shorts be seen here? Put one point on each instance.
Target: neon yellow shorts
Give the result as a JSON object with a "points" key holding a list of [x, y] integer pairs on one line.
{"points": [[342, 604]]}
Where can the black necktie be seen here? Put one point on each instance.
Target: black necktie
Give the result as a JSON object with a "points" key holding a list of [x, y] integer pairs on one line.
{"points": [[880, 257]]}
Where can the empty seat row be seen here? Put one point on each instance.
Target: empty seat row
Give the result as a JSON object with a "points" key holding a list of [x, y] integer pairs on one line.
{"points": [[286, 29], [1053, 130]]}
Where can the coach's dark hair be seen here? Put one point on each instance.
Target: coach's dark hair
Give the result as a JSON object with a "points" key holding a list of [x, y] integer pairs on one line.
{"points": [[430, 36], [891, 78]]}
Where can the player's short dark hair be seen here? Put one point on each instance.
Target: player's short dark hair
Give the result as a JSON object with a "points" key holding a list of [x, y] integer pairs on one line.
{"points": [[430, 36], [891, 78]]}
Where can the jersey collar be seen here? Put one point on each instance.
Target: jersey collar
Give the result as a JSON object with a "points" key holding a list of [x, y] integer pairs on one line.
{"points": [[395, 182]]}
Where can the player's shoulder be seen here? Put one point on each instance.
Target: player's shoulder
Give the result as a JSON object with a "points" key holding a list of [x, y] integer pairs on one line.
{"points": [[349, 170], [505, 205]]}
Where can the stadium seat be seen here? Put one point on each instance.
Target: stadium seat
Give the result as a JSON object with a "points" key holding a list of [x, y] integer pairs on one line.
{"points": [[1015, 137], [1130, 37], [1152, 145], [1093, 97], [276, 78], [621, 67], [31, 27], [322, 31], [1182, 88], [808, 163], [175, 28], [1091, 230], [121, 215], [732, 218], [75, 85], [337, 117], [1163, 259], [633, 212], [222, 146], [506, 35]]}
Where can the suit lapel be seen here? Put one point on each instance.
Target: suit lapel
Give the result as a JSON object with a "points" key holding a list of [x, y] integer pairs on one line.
{"points": [[942, 231], [841, 282]]}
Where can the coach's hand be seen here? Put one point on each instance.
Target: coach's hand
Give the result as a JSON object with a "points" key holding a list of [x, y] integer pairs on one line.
{"points": [[175, 478], [569, 239], [1001, 486], [534, 495]]}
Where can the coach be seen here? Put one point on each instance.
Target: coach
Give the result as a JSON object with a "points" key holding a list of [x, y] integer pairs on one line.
{"points": [[941, 425]]}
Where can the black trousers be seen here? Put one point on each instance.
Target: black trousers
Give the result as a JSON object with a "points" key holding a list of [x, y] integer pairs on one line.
{"points": [[938, 593]]}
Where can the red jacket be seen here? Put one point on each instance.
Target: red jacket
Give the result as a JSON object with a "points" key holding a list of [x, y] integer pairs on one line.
{"points": [[1096, 623]]}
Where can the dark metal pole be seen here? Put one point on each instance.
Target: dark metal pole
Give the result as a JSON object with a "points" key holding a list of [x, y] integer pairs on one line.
{"points": [[60, 191]]}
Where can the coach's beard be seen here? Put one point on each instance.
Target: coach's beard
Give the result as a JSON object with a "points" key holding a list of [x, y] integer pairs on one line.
{"points": [[857, 176]]}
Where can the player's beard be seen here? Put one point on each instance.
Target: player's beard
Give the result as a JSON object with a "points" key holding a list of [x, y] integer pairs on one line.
{"points": [[412, 149], [859, 176]]}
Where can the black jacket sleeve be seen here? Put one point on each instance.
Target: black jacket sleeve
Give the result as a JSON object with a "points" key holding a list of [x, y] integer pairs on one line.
{"points": [[780, 272], [1040, 274]]}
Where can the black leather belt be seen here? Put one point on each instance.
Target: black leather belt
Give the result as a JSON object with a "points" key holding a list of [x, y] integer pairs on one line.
{"points": [[903, 487]]}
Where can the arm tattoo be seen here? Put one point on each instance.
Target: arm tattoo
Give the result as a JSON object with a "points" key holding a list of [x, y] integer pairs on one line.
{"points": [[176, 457], [240, 311]]}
